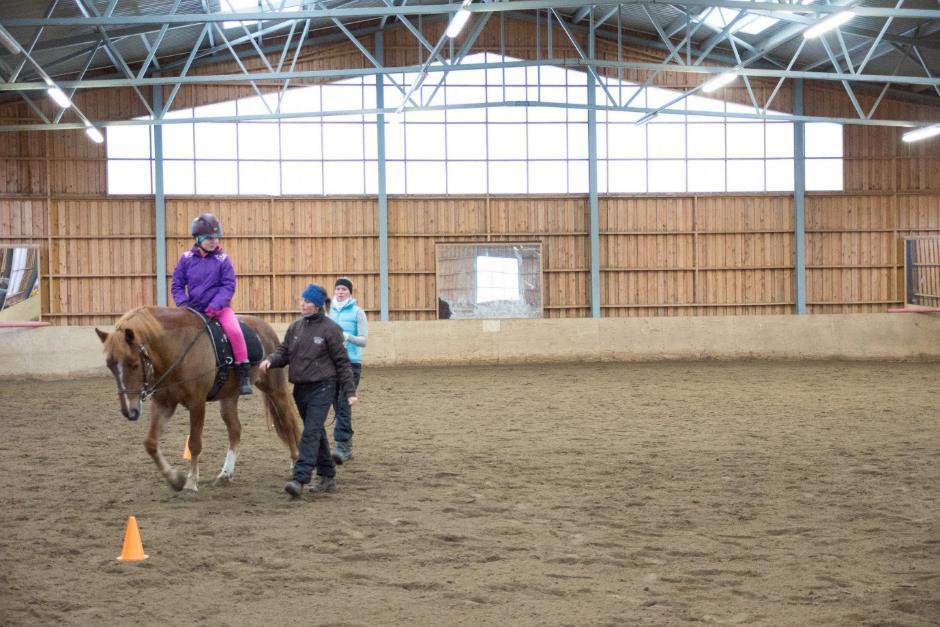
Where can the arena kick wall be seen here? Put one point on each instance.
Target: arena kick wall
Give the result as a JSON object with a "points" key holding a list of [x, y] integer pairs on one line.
{"points": [[63, 352]]}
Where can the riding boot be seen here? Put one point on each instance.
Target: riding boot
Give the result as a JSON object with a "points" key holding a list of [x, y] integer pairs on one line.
{"points": [[244, 378]]}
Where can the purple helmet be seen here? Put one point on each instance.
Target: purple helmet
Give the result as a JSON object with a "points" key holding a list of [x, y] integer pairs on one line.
{"points": [[207, 225]]}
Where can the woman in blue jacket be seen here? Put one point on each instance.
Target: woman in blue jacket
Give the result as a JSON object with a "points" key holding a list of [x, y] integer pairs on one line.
{"points": [[350, 316]]}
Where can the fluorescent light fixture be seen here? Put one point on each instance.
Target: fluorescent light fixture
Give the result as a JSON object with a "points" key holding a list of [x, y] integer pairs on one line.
{"points": [[828, 24], [458, 21], [9, 42], [94, 134], [59, 96], [718, 82], [921, 133]]}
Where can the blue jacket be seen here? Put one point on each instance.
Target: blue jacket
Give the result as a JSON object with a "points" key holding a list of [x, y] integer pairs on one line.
{"points": [[347, 316], [203, 280]]}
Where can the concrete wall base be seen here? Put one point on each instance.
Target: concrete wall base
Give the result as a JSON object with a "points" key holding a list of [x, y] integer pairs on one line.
{"points": [[66, 352]]}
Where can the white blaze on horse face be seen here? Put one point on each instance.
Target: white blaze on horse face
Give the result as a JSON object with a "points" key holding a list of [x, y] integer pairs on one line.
{"points": [[120, 376]]}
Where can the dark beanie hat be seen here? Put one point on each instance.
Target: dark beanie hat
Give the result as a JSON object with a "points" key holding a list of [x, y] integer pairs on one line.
{"points": [[314, 294], [344, 281]]}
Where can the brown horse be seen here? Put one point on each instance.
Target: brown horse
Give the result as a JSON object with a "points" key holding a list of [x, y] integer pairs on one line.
{"points": [[164, 354]]}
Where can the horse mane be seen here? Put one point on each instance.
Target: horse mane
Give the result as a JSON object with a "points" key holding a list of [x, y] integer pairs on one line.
{"points": [[142, 322]]}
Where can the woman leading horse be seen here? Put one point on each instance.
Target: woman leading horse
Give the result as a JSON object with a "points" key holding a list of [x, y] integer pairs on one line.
{"points": [[165, 354]]}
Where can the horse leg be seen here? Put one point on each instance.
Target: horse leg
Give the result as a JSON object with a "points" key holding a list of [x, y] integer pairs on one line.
{"points": [[229, 407], [197, 417], [159, 418]]}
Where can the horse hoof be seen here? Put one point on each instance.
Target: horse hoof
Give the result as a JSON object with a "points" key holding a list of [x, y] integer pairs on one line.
{"points": [[177, 481], [222, 480]]}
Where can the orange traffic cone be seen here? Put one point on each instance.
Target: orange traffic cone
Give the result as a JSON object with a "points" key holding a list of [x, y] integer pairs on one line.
{"points": [[186, 453], [133, 548]]}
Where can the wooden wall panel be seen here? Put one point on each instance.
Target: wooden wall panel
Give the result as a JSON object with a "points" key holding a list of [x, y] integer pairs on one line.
{"points": [[716, 254]]}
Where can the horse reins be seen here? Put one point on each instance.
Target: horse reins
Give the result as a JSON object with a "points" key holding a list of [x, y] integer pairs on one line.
{"points": [[151, 387]]}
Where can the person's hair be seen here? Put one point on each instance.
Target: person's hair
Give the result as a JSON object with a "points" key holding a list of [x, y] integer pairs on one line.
{"points": [[344, 281]]}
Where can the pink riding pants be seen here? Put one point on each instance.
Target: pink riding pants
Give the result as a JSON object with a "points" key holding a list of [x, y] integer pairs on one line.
{"points": [[234, 332]]}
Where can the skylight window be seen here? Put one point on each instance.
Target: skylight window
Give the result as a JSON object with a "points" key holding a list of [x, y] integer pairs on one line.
{"points": [[255, 6], [719, 17]]}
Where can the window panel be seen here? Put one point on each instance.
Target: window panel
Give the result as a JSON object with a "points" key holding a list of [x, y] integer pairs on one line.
{"points": [[627, 176], [425, 141], [343, 177], [179, 139], [395, 177], [823, 174], [342, 141], [179, 177], [301, 177], [466, 177], [706, 140], [128, 142], [466, 141], [258, 141], [259, 177], [745, 139], [301, 100], [577, 141], [706, 176], [394, 141], [217, 177], [507, 141], [216, 141], [129, 177], [823, 140], [666, 176], [626, 141], [300, 141], [666, 140], [779, 139], [426, 178], [578, 177], [547, 141], [745, 175], [548, 177], [507, 177], [779, 175]]}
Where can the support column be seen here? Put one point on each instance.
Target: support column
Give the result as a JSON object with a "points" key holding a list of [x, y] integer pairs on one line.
{"points": [[159, 200], [592, 184], [382, 193], [799, 198]]}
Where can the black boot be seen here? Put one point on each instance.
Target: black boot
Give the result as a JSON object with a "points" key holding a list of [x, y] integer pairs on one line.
{"points": [[244, 378]]}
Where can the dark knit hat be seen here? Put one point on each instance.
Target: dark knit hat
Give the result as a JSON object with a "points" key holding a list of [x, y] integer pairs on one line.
{"points": [[314, 294], [344, 281]]}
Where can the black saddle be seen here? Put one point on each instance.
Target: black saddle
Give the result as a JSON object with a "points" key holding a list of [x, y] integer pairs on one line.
{"points": [[224, 360]]}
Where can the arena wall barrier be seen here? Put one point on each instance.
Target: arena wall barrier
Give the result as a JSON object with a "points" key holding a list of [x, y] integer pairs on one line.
{"points": [[64, 352]]}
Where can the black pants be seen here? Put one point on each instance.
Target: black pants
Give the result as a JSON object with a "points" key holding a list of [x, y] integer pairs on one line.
{"points": [[342, 430], [313, 402]]}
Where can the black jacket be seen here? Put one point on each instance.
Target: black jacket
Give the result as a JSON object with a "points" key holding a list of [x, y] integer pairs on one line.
{"points": [[313, 348]]}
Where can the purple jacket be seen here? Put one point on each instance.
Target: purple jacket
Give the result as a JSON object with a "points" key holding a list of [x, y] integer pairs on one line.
{"points": [[210, 280]]}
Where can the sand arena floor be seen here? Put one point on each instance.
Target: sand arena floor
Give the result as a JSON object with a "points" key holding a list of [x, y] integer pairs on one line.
{"points": [[668, 493]]}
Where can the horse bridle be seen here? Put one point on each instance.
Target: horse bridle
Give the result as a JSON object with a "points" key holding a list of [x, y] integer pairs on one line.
{"points": [[150, 387]]}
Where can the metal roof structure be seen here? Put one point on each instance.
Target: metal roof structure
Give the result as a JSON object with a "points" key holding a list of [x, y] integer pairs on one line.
{"points": [[886, 48]]}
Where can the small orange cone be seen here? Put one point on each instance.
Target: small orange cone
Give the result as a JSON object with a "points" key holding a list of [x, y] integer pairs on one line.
{"points": [[186, 453], [133, 548]]}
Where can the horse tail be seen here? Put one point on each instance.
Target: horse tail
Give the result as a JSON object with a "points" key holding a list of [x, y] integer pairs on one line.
{"points": [[280, 411]]}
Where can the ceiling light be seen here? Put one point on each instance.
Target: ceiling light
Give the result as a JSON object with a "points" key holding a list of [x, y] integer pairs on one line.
{"points": [[94, 134], [828, 24], [921, 133], [9, 42], [718, 82], [59, 96], [458, 21]]}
